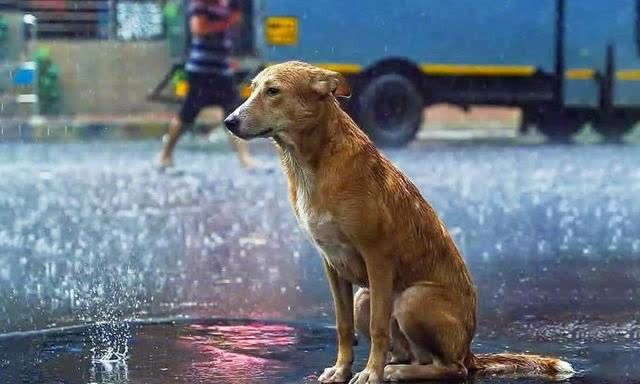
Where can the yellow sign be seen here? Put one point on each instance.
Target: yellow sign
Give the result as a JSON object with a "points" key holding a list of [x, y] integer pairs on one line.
{"points": [[281, 30]]}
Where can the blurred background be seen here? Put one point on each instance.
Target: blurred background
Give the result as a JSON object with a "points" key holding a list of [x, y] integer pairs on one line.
{"points": [[516, 120], [513, 66]]}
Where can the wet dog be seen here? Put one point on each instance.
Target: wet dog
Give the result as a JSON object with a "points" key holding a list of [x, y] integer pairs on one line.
{"points": [[373, 229]]}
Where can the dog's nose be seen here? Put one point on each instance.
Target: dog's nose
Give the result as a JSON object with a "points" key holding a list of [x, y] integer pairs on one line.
{"points": [[232, 122]]}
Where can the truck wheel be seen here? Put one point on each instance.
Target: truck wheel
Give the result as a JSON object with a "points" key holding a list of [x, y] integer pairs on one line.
{"points": [[389, 109], [613, 128], [559, 126]]}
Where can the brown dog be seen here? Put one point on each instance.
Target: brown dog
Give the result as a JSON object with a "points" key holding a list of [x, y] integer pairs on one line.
{"points": [[373, 229]]}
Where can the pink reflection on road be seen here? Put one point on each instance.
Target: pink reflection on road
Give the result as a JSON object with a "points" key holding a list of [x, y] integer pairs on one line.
{"points": [[239, 354]]}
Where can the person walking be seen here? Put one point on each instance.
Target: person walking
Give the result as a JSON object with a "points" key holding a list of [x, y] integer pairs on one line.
{"points": [[209, 73]]}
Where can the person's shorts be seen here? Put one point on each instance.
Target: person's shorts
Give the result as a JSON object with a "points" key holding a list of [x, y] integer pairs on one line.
{"points": [[207, 90]]}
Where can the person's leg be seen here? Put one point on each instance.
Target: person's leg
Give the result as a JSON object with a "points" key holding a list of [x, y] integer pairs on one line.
{"points": [[242, 149], [176, 128], [182, 122]]}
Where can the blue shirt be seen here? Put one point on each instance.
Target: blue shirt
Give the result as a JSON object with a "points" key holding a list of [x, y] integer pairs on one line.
{"points": [[210, 54]]}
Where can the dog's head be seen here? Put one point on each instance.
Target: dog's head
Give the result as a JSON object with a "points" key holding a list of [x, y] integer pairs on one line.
{"points": [[286, 99]]}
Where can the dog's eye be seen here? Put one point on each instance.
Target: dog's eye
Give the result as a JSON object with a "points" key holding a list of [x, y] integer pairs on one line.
{"points": [[271, 91]]}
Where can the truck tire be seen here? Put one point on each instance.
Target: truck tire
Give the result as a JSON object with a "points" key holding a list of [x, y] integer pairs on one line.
{"points": [[559, 126], [613, 128], [389, 109]]}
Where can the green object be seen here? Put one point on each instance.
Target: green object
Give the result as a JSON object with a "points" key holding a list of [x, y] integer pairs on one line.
{"points": [[178, 76], [49, 90], [4, 28], [4, 35], [171, 10], [174, 19]]}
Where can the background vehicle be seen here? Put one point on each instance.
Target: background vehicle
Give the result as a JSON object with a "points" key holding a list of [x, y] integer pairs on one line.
{"points": [[563, 62]]}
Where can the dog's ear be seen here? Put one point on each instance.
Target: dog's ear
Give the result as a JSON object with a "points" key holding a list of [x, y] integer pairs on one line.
{"points": [[326, 82]]}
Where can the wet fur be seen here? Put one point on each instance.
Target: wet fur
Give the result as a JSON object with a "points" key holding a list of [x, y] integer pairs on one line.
{"points": [[373, 229]]}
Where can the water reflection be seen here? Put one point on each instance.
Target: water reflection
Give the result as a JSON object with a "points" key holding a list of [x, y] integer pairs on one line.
{"points": [[109, 372], [243, 352], [238, 354]]}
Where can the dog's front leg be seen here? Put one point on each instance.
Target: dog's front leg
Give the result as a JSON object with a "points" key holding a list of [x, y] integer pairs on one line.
{"points": [[342, 292], [381, 290]]}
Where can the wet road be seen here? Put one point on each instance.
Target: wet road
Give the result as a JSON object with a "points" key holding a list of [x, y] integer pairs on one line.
{"points": [[92, 232], [251, 352]]}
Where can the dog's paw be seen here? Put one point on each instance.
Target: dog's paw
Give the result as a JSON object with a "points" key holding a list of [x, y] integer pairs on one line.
{"points": [[391, 373], [366, 376], [335, 374]]}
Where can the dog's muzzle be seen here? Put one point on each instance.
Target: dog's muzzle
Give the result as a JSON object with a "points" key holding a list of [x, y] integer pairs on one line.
{"points": [[232, 122], [234, 125]]}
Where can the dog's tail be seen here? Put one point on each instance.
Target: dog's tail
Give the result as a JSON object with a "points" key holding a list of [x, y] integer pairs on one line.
{"points": [[518, 364]]}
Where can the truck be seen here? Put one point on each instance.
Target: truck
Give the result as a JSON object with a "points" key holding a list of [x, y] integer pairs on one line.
{"points": [[563, 63]]}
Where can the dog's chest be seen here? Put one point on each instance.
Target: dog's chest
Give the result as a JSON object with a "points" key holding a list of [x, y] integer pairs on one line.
{"points": [[324, 230]]}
